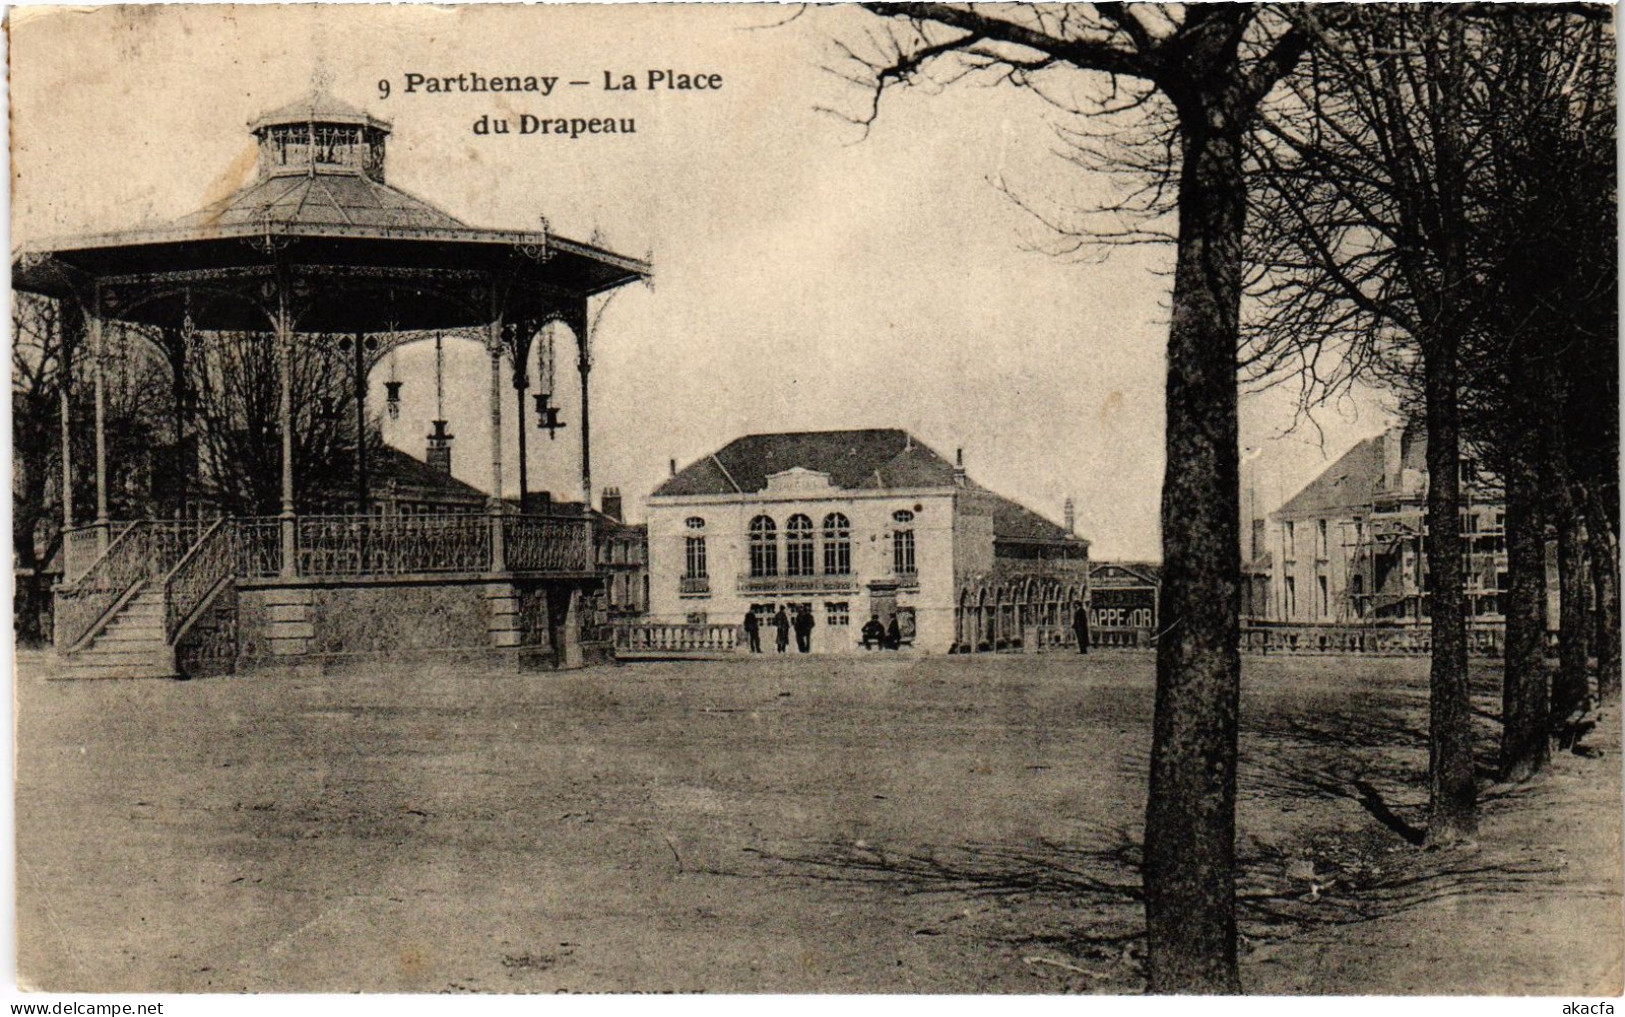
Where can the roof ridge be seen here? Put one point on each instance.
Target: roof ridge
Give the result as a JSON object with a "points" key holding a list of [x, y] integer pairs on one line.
{"points": [[725, 473]]}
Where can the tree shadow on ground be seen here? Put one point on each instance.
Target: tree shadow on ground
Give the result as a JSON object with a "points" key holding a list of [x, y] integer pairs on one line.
{"points": [[1374, 757], [1086, 901]]}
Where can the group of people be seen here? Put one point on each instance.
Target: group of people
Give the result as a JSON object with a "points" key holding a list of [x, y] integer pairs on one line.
{"points": [[783, 624], [884, 637], [875, 635]]}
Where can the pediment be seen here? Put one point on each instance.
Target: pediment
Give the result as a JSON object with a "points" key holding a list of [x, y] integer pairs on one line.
{"points": [[798, 479]]}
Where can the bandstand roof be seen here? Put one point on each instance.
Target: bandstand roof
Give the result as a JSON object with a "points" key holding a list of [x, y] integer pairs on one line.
{"points": [[369, 252]]}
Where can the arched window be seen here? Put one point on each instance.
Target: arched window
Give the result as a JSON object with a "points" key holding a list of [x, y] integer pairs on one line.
{"points": [[694, 523], [764, 547], [903, 552], [798, 546], [837, 545], [695, 559]]}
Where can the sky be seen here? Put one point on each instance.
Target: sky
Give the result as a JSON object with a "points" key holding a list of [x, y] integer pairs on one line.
{"points": [[808, 275]]}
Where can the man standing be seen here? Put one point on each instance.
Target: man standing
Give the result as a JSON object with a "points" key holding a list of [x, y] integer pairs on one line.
{"points": [[781, 622], [804, 627], [753, 631], [1080, 626]]}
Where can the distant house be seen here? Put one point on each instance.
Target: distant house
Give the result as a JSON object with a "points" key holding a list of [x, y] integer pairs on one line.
{"points": [[849, 524], [402, 484], [1350, 546]]}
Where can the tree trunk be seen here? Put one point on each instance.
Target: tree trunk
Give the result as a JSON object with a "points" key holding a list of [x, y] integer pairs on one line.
{"points": [[1605, 576], [1525, 748], [1452, 789], [1190, 816], [1571, 689]]}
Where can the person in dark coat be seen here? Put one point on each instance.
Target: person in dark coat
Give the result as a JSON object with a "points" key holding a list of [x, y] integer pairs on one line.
{"points": [[804, 627], [1080, 626], [781, 622], [874, 633], [753, 631], [894, 635]]}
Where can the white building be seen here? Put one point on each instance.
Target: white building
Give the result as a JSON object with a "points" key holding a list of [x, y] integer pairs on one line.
{"points": [[850, 524]]}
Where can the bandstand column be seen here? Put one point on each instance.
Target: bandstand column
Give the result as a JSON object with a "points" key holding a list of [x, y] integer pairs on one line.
{"points": [[584, 367], [65, 407], [363, 495], [493, 346], [98, 353], [521, 382], [284, 352]]}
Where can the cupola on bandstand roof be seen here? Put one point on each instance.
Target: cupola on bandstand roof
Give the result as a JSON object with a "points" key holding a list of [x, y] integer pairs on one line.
{"points": [[321, 237]]}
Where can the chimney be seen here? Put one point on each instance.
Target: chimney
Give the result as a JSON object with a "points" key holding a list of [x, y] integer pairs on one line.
{"points": [[673, 467], [1392, 458], [1071, 518], [611, 502], [439, 452], [959, 467]]}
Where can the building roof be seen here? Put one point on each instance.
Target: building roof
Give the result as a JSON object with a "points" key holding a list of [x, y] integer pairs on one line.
{"points": [[1013, 521], [1354, 480], [865, 460], [855, 460], [318, 107], [321, 199], [387, 463], [1346, 484], [1126, 573], [320, 213]]}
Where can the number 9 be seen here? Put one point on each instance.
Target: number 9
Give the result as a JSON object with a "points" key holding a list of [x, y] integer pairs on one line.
{"points": [[383, 88]]}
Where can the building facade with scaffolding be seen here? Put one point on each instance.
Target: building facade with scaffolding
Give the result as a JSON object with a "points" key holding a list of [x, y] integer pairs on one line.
{"points": [[1350, 548]]}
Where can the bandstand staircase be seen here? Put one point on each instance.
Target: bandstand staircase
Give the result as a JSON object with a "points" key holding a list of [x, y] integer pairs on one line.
{"points": [[125, 615], [130, 645]]}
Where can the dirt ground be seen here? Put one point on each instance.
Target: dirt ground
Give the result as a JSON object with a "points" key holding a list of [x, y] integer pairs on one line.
{"points": [[946, 825]]}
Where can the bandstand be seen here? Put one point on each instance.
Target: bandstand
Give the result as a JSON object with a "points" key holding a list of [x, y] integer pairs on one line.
{"points": [[320, 248]]}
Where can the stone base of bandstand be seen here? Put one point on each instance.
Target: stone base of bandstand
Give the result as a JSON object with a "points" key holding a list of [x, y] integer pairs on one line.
{"points": [[316, 626]]}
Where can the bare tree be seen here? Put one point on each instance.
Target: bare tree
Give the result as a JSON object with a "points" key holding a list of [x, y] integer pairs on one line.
{"points": [[1411, 232], [1204, 69], [235, 388], [41, 353]]}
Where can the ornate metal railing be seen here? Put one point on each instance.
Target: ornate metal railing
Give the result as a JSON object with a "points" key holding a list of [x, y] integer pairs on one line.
{"points": [[797, 584], [171, 540], [693, 586], [81, 547], [393, 545], [80, 606], [210, 562], [654, 637], [259, 547], [546, 544], [1377, 640]]}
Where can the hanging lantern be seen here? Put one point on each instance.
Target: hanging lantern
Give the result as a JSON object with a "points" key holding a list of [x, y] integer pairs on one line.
{"points": [[392, 387], [547, 415]]}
